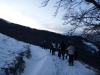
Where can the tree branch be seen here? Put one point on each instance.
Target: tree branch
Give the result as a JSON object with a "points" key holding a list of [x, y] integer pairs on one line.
{"points": [[45, 3], [94, 2]]}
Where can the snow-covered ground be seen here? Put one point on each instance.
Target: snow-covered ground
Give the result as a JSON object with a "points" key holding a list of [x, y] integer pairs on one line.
{"points": [[41, 62], [95, 49]]}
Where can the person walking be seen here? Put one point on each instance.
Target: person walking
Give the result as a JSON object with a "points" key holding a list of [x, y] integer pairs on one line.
{"points": [[59, 50], [63, 47], [53, 48], [41, 43], [71, 54], [66, 51]]}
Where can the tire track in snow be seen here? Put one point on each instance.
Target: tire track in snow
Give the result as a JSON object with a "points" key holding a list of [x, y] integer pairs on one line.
{"points": [[48, 67], [58, 65], [43, 57]]}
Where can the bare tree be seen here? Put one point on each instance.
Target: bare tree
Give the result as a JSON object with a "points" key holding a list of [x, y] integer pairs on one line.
{"points": [[80, 13]]}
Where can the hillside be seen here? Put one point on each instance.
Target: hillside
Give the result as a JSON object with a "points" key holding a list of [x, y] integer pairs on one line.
{"points": [[86, 53], [27, 34], [42, 62]]}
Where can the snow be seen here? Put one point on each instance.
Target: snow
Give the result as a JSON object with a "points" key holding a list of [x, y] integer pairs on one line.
{"points": [[91, 45], [41, 62]]}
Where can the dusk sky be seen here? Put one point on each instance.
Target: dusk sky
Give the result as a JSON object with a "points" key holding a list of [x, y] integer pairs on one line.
{"points": [[31, 14]]}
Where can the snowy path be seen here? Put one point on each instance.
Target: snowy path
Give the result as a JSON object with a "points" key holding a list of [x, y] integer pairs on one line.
{"points": [[43, 63], [63, 68]]}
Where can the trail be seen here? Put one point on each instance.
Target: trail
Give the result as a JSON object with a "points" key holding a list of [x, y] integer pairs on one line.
{"points": [[63, 68], [48, 64], [42, 61]]}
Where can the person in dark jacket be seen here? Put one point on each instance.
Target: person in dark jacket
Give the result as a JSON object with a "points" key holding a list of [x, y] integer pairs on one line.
{"points": [[51, 47], [59, 49], [41, 43], [63, 47]]}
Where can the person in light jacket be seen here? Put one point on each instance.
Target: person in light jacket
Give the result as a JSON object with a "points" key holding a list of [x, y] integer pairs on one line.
{"points": [[53, 48], [71, 54]]}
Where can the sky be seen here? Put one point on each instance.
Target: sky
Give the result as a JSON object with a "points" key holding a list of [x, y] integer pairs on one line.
{"points": [[31, 13], [42, 61]]}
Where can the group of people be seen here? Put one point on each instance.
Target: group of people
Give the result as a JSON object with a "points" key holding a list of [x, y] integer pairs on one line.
{"points": [[43, 44], [65, 50]]}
